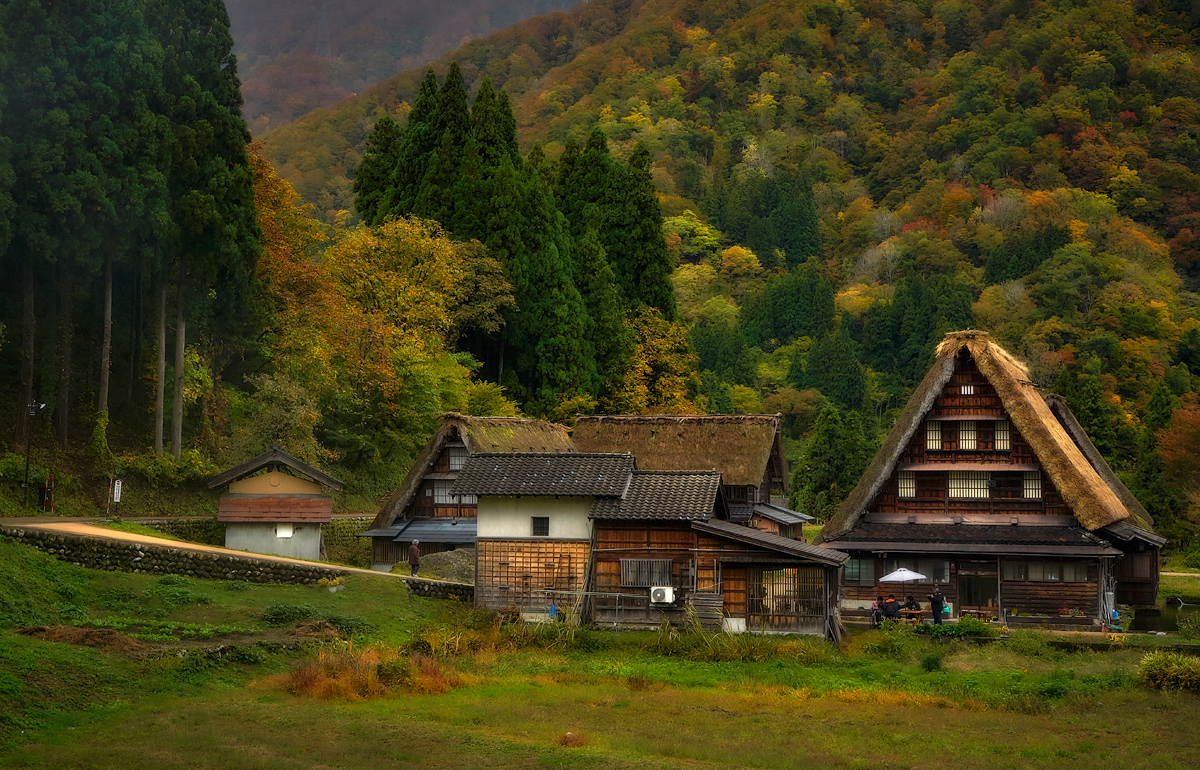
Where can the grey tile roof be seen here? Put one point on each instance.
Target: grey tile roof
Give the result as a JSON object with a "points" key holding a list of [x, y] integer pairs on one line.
{"points": [[672, 495], [439, 530], [528, 473], [771, 542], [778, 513]]}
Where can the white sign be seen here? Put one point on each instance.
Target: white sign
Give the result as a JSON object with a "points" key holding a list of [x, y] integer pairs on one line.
{"points": [[117, 491]]}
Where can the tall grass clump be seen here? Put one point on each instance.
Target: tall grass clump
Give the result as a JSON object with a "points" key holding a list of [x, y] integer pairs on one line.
{"points": [[893, 639], [965, 628], [1170, 671], [1189, 626], [1031, 644], [347, 673]]}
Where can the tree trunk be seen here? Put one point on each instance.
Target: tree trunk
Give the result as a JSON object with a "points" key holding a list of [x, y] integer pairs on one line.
{"points": [[106, 341], [135, 335], [161, 382], [63, 398], [180, 348], [28, 342]]}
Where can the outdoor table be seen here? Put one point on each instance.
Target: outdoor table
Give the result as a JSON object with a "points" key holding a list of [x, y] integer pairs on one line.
{"points": [[912, 616], [983, 615]]}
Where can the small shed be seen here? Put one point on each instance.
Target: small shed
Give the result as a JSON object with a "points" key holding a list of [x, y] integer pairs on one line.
{"points": [[275, 503]]}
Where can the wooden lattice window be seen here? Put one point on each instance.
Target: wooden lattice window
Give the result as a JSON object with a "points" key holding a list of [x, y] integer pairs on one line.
{"points": [[967, 390], [968, 437], [1033, 485], [458, 457], [971, 485], [541, 526], [1002, 436], [907, 484], [442, 496], [933, 435], [645, 573]]}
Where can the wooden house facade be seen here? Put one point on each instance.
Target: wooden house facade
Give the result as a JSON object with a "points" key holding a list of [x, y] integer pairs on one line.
{"points": [[994, 493], [671, 531], [275, 503], [424, 509]]}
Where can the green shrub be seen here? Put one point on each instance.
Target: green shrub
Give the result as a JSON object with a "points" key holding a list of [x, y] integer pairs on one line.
{"points": [[350, 625], [1189, 626], [1170, 671], [283, 614], [1030, 644], [933, 661], [1192, 559], [964, 628], [236, 585], [175, 593], [894, 639], [175, 580]]}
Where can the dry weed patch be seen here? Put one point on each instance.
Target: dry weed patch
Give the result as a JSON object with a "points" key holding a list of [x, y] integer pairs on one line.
{"points": [[346, 673]]}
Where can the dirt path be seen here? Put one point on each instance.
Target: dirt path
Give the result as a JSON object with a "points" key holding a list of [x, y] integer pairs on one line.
{"points": [[102, 533]]}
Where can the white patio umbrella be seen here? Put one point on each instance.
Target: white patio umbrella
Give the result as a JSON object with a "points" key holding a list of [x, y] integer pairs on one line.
{"points": [[902, 575]]}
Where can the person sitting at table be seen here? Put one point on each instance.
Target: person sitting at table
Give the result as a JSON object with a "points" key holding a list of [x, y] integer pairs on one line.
{"points": [[876, 608], [911, 603], [891, 608]]}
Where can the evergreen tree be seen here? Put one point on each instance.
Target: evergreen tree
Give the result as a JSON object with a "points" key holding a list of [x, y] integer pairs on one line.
{"points": [[419, 142], [645, 267], [1093, 411], [611, 337], [833, 369], [833, 459], [375, 173], [449, 127]]}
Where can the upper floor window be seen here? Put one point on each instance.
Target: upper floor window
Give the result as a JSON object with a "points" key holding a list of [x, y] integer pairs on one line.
{"points": [[1001, 436], [907, 484], [971, 485], [933, 435], [968, 437], [442, 496], [1033, 485], [967, 390], [458, 457]]}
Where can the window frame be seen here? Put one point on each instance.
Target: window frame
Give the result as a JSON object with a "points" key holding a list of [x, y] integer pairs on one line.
{"points": [[933, 436], [972, 485], [646, 573], [1002, 436], [968, 435], [906, 485], [539, 522]]}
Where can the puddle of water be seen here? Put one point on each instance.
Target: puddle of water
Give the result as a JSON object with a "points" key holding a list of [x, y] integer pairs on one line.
{"points": [[1166, 619]]}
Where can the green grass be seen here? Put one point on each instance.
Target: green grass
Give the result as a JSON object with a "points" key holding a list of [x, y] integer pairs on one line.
{"points": [[772, 703], [1186, 587]]}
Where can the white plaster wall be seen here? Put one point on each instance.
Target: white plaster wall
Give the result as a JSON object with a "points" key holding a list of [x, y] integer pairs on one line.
{"points": [[511, 517], [305, 542]]}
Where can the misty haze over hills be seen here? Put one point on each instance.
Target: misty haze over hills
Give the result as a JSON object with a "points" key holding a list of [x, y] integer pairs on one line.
{"points": [[295, 56]]}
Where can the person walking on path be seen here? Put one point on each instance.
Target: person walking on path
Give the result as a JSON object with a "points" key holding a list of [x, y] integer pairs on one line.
{"points": [[414, 556], [937, 604]]}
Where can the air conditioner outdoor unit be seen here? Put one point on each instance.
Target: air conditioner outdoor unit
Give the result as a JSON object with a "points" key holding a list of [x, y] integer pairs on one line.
{"points": [[662, 595]]}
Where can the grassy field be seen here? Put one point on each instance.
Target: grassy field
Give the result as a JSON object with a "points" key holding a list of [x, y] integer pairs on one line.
{"points": [[210, 676]]}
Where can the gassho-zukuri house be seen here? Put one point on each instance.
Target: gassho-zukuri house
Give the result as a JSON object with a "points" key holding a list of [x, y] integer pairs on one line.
{"points": [[993, 491], [424, 509], [275, 503], [629, 548]]}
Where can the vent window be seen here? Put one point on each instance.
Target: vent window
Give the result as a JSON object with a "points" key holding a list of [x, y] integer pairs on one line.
{"points": [[645, 573], [967, 390]]}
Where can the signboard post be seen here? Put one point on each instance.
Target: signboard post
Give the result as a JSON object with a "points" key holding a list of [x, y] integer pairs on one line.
{"points": [[116, 495]]}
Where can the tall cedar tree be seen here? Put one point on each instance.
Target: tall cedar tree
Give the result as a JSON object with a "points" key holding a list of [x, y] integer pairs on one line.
{"points": [[373, 177], [833, 369], [450, 127], [418, 144], [645, 269]]}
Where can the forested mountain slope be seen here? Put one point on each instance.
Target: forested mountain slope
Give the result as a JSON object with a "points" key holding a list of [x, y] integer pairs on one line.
{"points": [[297, 55], [844, 182]]}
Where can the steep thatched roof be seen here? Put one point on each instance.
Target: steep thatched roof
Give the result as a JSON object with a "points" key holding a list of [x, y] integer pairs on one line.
{"points": [[1093, 501], [739, 446], [1138, 513], [479, 434]]}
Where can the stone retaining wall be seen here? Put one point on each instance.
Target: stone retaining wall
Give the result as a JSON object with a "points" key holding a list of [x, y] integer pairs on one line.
{"points": [[194, 529], [125, 556]]}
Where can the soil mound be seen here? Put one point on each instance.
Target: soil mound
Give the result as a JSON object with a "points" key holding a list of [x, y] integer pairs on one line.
{"points": [[457, 565], [100, 638], [317, 629]]}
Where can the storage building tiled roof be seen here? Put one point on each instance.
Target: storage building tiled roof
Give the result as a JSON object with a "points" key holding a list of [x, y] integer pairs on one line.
{"points": [[527, 473], [670, 495]]}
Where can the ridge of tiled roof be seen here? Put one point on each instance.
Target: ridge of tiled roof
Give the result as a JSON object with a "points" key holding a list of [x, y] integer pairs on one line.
{"points": [[663, 495], [576, 474]]}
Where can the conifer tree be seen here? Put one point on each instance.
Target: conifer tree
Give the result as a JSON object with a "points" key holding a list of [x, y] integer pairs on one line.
{"points": [[612, 338], [833, 369], [449, 127], [377, 169], [418, 144], [645, 268]]}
